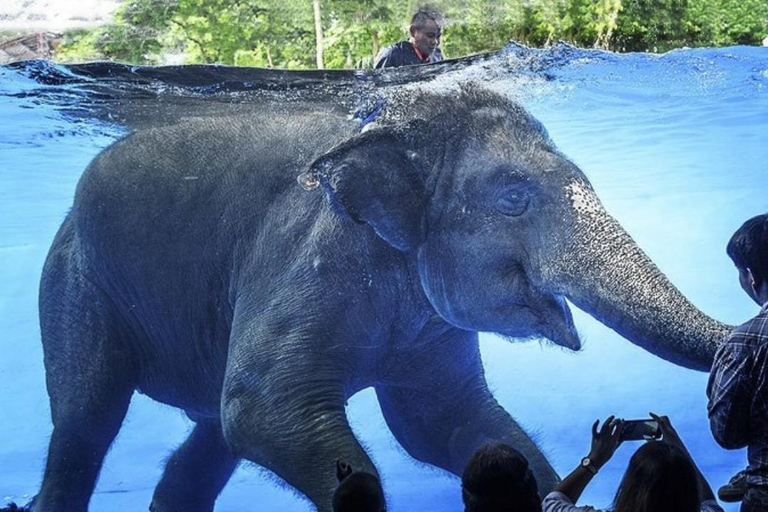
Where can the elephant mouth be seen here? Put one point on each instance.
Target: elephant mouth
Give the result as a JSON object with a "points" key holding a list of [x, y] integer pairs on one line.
{"points": [[557, 325], [551, 318], [536, 311], [565, 335]]}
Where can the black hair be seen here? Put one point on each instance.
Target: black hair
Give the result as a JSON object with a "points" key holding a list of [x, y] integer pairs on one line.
{"points": [[358, 491], [498, 479], [748, 247], [423, 15], [660, 478]]}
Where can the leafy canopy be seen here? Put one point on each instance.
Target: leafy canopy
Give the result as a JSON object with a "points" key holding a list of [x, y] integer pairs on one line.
{"points": [[282, 33]]}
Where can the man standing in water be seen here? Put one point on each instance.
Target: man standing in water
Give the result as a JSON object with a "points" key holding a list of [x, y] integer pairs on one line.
{"points": [[738, 384], [421, 48]]}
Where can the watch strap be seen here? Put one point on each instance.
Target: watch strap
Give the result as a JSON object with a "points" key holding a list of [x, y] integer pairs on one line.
{"points": [[586, 463]]}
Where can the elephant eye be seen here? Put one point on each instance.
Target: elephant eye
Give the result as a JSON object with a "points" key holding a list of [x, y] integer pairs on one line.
{"points": [[513, 201]]}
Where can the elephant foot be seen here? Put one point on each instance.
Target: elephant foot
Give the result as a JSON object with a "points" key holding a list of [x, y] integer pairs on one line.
{"points": [[155, 506], [12, 507]]}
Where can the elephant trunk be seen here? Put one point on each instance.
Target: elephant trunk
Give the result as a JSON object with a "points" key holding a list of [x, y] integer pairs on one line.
{"points": [[602, 271]]}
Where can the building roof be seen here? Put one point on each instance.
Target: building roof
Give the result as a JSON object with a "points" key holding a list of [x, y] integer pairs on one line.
{"points": [[27, 47]]}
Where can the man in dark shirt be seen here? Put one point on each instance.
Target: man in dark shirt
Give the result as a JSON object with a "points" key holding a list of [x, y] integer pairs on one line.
{"points": [[421, 48], [738, 384]]}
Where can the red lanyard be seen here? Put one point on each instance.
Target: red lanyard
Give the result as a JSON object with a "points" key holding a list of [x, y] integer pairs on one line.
{"points": [[418, 54]]}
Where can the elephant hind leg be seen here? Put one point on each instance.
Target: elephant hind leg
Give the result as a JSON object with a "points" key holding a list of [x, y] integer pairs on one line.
{"points": [[196, 472], [90, 380]]}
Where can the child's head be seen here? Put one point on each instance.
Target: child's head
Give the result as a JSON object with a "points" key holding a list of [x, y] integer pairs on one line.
{"points": [[497, 479], [358, 491], [748, 248]]}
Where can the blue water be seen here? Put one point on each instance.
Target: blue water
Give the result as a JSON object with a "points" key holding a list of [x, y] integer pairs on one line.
{"points": [[675, 145]]}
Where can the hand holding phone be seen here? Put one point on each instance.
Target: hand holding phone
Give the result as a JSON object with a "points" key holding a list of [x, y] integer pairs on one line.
{"points": [[638, 430], [605, 440], [669, 433]]}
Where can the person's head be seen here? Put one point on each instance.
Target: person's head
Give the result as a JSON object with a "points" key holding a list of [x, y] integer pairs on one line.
{"points": [[659, 478], [498, 479], [748, 248], [358, 491], [426, 29]]}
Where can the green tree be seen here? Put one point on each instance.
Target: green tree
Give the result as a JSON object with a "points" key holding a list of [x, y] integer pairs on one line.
{"points": [[481, 25], [357, 30], [284, 33], [651, 25], [726, 22]]}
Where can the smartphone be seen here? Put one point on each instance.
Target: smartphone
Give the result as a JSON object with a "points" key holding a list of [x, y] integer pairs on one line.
{"points": [[636, 430]]}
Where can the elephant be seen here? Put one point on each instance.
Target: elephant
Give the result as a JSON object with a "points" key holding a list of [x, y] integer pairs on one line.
{"points": [[257, 270]]}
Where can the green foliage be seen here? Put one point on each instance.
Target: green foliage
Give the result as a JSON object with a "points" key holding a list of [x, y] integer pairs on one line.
{"points": [[727, 22], [480, 25], [281, 33], [657, 25], [79, 46], [355, 29]]}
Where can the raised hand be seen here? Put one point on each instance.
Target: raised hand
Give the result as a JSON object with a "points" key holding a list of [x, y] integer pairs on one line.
{"points": [[605, 440]]}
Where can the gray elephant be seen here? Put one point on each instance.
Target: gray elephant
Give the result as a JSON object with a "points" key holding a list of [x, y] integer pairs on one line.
{"points": [[194, 268]]}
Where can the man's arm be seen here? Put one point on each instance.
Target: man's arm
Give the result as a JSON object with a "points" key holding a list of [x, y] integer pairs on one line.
{"points": [[389, 57], [730, 391]]}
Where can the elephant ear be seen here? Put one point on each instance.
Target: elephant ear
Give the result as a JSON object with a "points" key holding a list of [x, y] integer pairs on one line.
{"points": [[378, 179]]}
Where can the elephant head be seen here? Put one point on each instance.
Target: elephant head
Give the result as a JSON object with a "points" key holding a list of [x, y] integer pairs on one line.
{"points": [[504, 227]]}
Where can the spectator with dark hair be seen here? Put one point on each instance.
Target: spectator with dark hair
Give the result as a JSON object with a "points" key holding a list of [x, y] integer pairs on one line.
{"points": [[422, 47], [358, 491], [661, 476], [738, 384], [497, 479]]}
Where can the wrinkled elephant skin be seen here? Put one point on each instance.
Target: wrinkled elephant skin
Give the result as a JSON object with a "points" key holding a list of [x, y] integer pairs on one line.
{"points": [[258, 271]]}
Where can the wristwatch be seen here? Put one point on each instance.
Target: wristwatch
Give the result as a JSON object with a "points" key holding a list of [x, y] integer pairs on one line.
{"points": [[586, 462]]}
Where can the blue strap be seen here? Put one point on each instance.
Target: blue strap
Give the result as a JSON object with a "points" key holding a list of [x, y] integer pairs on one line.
{"points": [[372, 115]]}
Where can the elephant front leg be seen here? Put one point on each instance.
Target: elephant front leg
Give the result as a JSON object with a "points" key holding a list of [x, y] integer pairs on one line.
{"points": [[446, 412], [285, 412], [295, 429]]}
